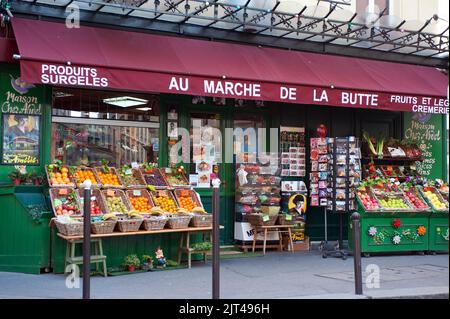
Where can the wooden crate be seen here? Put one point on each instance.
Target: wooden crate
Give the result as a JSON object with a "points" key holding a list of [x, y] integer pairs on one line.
{"points": [[144, 193], [71, 178], [55, 192], [138, 178], [147, 178], [95, 184], [298, 246], [191, 193], [112, 170], [117, 193]]}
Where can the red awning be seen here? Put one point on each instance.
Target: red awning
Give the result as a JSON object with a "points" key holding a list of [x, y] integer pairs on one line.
{"points": [[92, 57]]}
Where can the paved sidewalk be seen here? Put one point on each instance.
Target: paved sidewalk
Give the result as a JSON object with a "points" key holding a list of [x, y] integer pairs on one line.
{"points": [[276, 275]]}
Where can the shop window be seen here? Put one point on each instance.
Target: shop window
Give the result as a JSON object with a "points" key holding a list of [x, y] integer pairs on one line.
{"points": [[91, 126]]}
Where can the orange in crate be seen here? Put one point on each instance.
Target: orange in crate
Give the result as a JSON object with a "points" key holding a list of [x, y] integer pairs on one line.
{"points": [[186, 202], [141, 204], [109, 179], [82, 175], [166, 203]]}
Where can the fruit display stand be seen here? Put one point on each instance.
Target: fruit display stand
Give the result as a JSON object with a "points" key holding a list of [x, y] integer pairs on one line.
{"points": [[154, 177], [108, 177], [439, 222], [385, 228]]}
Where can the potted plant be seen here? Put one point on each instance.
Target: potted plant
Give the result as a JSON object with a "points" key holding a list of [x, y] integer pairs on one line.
{"points": [[131, 262], [16, 177], [147, 262]]}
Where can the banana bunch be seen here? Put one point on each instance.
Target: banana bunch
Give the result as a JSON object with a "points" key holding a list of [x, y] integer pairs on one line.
{"points": [[199, 210], [109, 216], [156, 211], [134, 214], [182, 211]]}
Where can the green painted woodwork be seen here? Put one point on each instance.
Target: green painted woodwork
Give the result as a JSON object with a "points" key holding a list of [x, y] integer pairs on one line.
{"points": [[439, 232], [383, 223], [24, 244]]}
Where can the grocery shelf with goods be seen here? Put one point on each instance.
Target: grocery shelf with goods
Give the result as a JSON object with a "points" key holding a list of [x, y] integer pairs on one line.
{"points": [[116, 202], [140, 200], [65, 201], [435, 199], [97, 205], [132, 177], [166, 200], [154, 178], [108, 177], [60, 175]]}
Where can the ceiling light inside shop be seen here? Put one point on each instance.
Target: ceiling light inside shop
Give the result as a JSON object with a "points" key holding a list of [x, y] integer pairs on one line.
{"points": [[144, 109], [59, 94], [125, 101]]}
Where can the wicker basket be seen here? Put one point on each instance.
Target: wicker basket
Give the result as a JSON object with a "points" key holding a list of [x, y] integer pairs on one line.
{"points": [[112, 170], [54, 193], [189, 192], [70, 229], [129, 224], [142, 192], [139, 181], [117, 193], [154, 223], [148, 178], [71, 184], [95, 184], [103, 227], [283, 221], [201, 220], [257, 219], [178, 221]]}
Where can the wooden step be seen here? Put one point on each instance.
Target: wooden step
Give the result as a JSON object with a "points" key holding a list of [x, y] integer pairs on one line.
{"points": [[79, 259]]}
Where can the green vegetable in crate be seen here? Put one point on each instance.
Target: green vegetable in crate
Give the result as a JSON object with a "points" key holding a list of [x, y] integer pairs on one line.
{"points": [[263, 198], [116, 205]]}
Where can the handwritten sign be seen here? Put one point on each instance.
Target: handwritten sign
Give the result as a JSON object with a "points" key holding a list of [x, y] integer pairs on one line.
{"points": [[137, 192], [63, 191], [110, 193], [288, 217], [266, 218], [425, 130]]}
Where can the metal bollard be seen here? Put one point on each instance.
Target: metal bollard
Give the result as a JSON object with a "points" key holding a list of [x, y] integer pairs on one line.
{"points": [[216, 240], [356, 233], [87, 240]]}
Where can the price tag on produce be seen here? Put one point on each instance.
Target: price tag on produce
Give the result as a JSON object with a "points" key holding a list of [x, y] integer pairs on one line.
{"points": [[168, 170], [110, 193], [93, 198], [137, 192], [161, 193], [134, 165], [128, 172], [288, 217], [266, 218], [63, 191]]}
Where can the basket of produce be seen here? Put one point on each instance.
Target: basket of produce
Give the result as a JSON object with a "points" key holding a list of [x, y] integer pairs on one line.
{"points": [[270, 210], [129, 222], [69, 226], [60, 175], [165, 199], [140, 200], [132, 177], [434, 198], [416, 200], [394, 202], [97, 204], [179, 220], [65, 201], [285, 219], [108, 177], [152, 176], [115, 201], [103, 224], [175, 177], [188, 199], [367, 199], [261, 219], [200, 218], [84, 173], [156, 220]]}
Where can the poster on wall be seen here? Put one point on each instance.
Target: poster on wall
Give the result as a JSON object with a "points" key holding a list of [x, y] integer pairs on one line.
{"points": [[426, 130], [21, 139], [21, 108]]}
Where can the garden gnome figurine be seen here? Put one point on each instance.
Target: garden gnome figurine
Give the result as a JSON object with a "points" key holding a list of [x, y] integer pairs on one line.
{"points": [[161, 260]]}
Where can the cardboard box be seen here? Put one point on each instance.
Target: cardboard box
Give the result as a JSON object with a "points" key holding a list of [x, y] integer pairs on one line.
{"points": [[298, 246]]}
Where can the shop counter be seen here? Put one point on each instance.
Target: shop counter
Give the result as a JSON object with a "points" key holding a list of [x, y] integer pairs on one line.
{"points": [[393, 231], [24, 232], [439, 231]]}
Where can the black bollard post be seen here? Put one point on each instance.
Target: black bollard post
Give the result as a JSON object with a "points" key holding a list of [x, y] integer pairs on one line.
{"points": [[87, 241], [356, 232], [216, 240]]}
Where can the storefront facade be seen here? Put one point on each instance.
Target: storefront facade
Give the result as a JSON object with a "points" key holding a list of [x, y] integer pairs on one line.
{"points": [[62, 105]]}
